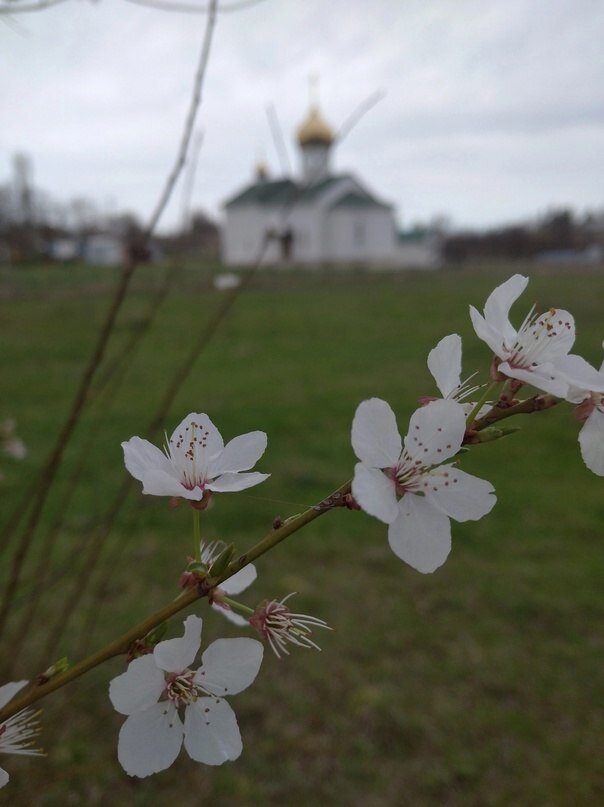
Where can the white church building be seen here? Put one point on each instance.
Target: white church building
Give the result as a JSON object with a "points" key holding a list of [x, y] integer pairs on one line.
{"points": [[320, 218]]}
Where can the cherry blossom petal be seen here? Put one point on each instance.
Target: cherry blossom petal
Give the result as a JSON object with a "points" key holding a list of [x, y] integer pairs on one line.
{"points": [[150, 741], [580, 375], [229, 666], [4, 777], [543, 377], [158, 483], [487, 333], [591, 440], [444, 362], [141, 456], [175, 655], [499, 302], [375, 493], [375, 437], [421, 535], [457, 494], [435, 432], [560, 325], [240, 580], [232, 482], [231, 616], [139, 687], [240, 454], [211, 732], [194, 442], [8, 691]]}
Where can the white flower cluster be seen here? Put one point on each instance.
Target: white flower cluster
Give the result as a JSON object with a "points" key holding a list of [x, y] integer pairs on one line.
{"points": [[538, 354], [406, 485]]}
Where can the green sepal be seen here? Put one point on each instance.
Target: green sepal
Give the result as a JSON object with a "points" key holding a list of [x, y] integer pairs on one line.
{"points": [[197, 568], [156, 635], [60, 666], [222, 561], [495, 433]]}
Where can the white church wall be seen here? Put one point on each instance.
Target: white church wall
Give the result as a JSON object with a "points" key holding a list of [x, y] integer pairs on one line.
{"points": [[425, 253], [360, 235], [243, 236]]}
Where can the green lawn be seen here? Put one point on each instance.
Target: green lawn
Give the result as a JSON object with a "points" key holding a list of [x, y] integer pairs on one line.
{"points": [[478, 685]]}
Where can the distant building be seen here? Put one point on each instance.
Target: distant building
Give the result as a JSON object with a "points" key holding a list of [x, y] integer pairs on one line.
{"points": [[590, 256], [63, 249], [103, 250], [321, 218]]}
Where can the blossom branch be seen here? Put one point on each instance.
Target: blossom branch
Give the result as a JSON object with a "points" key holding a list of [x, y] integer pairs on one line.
{"points": [[122, 645], [538, 403], [275, 536]]}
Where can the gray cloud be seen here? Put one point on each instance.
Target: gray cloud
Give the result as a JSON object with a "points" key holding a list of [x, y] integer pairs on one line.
{"points": [[491, 111]]}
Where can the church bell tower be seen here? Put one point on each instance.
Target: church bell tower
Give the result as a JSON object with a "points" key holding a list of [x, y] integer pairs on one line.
{"points": [[315, 138]]}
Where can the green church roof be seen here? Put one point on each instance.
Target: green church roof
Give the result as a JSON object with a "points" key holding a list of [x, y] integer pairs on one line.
{"points": [[278, 192], [286, 191], [355, 199]]}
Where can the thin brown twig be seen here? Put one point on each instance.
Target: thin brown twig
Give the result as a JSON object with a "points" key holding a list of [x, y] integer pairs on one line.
{"points": [[187, 132], [53, 463], [205, 336], [190, 8], [95, 544], [21, 8], [49, 471], [104, 392]]}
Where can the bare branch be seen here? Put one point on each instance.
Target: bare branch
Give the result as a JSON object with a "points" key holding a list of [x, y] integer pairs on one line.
{"points": [[360, 112], [53, 462], [14, 7], [189, 122], [189, 8], [278, 139]]}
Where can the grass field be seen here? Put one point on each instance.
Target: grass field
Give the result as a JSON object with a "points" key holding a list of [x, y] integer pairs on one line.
{"points": [[478, 685]]}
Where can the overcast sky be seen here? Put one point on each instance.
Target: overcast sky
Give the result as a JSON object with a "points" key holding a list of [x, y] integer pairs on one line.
{"points": [[493, 110]]}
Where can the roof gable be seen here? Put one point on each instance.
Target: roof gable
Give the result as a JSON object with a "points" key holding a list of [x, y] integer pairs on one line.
{"points": [[285, 191], [279, 192], [356, 199]]}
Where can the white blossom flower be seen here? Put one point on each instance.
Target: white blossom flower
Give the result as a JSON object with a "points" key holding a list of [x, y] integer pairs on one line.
{"points": [[156, 686], [12, 445], [232, 585], [530, 353], [586, 388], [195, 461], [444, 363], [279, 626], [225, 281], [406, 486], [17, 733]]}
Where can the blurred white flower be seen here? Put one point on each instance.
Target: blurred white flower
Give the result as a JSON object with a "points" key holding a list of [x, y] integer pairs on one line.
{"points": [[12, 445], [407, 487], [530, 353], [226, 281], [17, 733], [156, 686], [279, 626], [195, 461], [586, 388]]}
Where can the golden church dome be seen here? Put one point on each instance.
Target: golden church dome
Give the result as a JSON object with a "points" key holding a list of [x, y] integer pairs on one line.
{"points": [[315, 130]]}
